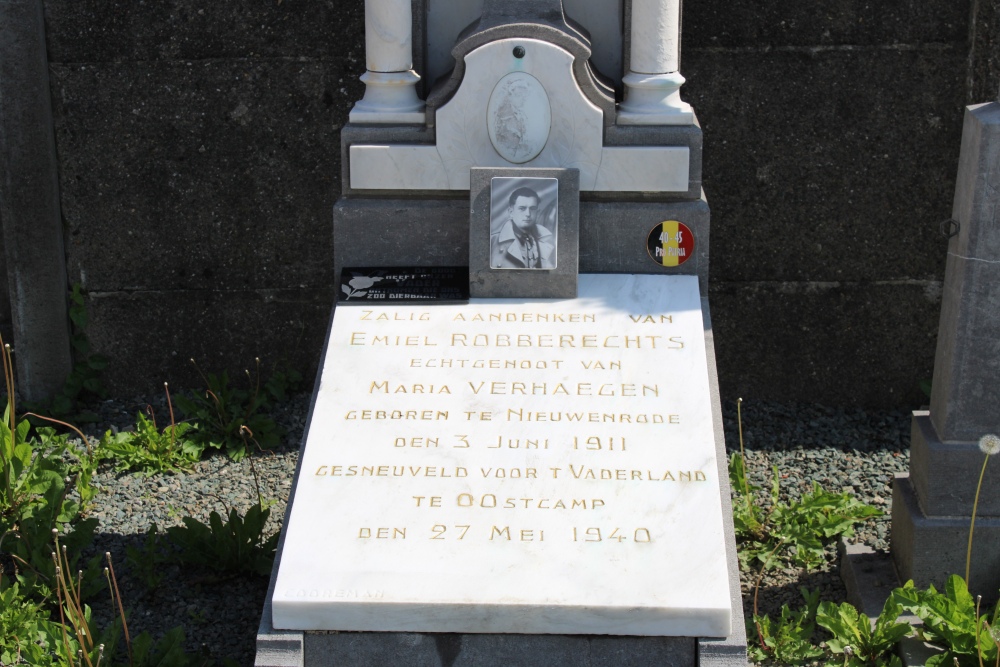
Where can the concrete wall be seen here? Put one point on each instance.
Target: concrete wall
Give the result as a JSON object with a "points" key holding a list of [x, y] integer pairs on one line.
{"points": [[199, 162], [831, 144], [199, 159]]}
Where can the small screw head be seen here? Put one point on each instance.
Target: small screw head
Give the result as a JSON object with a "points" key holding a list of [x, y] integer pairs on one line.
{"points": [[518, 51]]}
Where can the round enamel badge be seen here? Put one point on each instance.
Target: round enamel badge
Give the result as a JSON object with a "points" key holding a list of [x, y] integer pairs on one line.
{"points": [[670, 243]]}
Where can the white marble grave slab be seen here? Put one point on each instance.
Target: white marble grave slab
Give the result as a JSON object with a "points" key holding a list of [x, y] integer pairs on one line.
{"points": [[514, 466]]}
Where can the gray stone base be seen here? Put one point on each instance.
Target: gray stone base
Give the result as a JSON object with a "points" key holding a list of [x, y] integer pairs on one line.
{"points": [[944, 474], [435, 232], [927, 549], [868, 576], [367, 649], [283, 648]]}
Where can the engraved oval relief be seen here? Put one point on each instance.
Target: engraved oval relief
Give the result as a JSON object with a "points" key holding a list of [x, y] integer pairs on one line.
{"points": [[519, 117]]}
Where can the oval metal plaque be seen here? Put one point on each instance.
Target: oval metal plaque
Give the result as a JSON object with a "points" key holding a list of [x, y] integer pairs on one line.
{"points": [[519, 117]]}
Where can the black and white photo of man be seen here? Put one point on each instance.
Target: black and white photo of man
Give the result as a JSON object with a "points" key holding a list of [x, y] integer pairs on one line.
{"points": [[523, 222]]}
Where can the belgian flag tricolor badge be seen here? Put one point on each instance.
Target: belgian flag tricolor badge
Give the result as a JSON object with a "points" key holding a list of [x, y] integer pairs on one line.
{"points": [[670, 243]]}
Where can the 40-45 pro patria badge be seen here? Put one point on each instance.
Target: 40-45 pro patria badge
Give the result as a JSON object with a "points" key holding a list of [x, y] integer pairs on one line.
{"points": [[670, 243]]}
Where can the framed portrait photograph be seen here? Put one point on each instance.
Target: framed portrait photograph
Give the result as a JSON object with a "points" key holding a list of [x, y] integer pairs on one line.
{"points": [[524, 223], [524, 232]]}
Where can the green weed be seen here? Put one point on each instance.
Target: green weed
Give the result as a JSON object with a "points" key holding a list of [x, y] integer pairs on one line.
{"points": [[150, 451], [148, 561], [793, 533], [34, 483], [951, 620], [796, 532], [231, 419], [27, 635], [236, 545], [854, 637], [787, 640]]}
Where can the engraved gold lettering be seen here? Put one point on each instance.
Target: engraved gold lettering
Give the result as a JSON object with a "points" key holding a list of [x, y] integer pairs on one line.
{"points": [[382, 533], [511, 473], [378, 415], [416, 443], [502, 533], [652, 319], [384, 387], [522, 415], [596, 443]]}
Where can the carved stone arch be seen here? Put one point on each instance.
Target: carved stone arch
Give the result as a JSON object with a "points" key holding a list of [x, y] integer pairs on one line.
{"points": [[489, 29]]}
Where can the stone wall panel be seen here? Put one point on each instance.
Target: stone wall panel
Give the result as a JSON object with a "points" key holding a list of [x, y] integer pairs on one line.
{"points": [[864, 344], [213, 174], [828, 166], [83, 31], [150, 336], [782, 23]]}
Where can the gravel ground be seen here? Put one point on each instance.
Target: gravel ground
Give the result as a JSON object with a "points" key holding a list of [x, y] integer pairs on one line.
{"points": [[219, 614], [842, 449]]}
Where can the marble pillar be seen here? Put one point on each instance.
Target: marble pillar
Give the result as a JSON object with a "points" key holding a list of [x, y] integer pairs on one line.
{"points": [[390, 82], [653, 81]]}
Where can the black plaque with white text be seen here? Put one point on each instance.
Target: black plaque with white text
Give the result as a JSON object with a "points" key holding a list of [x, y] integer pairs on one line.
{"points": [[404, 284]]}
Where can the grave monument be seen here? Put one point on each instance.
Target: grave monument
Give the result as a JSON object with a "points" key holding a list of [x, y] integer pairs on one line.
{"points": [[932, 505], [535, 474]]}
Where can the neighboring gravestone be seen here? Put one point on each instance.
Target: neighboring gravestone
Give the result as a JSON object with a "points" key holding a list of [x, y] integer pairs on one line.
{"points": [[477, 474], [932, 506], [29, 205]]}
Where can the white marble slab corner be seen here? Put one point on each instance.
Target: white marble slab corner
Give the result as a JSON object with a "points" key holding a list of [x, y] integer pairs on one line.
{"points": [[621, 169], [644, 169], [513, 466]]}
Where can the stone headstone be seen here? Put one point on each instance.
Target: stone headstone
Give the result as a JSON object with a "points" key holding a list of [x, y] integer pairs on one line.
{"points": [[29, 205], [505, 87], [932, 506]]}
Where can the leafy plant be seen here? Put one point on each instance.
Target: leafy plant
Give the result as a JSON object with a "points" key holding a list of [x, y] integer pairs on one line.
{"points": [[229, 418], [147, 562], [795, 532], [951, 619], [815, 521], [85, 646], [149, 450], [788, 639], [34, 482], [238, 545], [857, 640], [27, 635]]}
